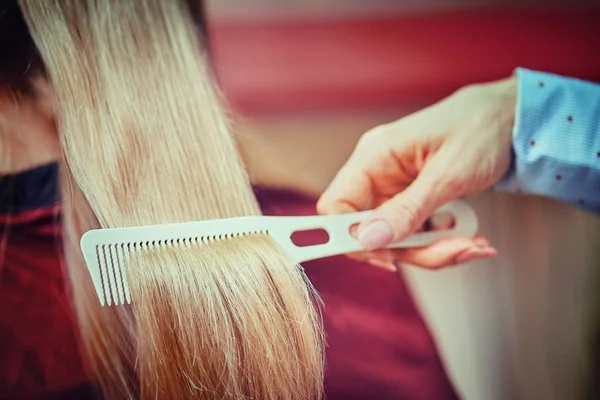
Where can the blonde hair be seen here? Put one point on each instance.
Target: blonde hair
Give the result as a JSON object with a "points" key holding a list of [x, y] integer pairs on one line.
{"points": [[145, 142]]}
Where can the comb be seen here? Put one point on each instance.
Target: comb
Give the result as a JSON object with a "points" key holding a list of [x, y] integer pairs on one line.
{"points": [[106, 250]]}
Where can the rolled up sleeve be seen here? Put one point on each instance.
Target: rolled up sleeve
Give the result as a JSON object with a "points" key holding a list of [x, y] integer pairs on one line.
{"points": [[556, 139]]}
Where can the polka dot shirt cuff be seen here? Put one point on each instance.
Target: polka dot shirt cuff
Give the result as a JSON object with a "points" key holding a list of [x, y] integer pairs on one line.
{"points": [[556, 139]]}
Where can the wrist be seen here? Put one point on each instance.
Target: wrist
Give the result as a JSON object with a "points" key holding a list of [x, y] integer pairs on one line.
{"points": [[499, 96], [505, 93], [500, 100], [506, 97]]}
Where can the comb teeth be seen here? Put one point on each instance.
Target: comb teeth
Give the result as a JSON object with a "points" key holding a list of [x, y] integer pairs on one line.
{"points": [[108, 269], [113, 283]]}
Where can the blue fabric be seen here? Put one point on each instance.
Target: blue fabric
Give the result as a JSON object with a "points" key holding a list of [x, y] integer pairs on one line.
{"points": [[556, 139]]}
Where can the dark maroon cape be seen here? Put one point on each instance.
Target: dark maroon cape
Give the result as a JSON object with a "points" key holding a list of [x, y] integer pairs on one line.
{"points": [[379, 346]]}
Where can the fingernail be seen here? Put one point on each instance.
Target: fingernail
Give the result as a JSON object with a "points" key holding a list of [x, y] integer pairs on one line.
{"points": [[476, 253], [376, 262], [375, 235]]}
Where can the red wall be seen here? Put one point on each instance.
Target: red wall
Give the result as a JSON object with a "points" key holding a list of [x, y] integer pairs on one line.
{"points": [[299, 65]]}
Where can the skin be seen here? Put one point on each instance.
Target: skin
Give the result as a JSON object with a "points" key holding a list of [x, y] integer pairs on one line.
{"points": [[405, 170], [27, 130]]}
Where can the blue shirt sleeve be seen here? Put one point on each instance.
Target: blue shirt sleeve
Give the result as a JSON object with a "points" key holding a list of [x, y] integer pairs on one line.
{"points": [[556, 140]]}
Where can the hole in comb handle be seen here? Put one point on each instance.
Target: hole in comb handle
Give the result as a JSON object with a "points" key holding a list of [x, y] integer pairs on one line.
{"points": [[443, 221], [310, 237], [353, 230]]}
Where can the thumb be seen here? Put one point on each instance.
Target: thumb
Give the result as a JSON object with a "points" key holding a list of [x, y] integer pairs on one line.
{"points": [[404, 213]]}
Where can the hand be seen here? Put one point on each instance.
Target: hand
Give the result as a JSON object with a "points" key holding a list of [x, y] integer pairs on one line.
{"points": [[409, 168]]}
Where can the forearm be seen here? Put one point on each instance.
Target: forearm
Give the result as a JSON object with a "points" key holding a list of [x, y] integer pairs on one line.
{"points": [[556, 139]]}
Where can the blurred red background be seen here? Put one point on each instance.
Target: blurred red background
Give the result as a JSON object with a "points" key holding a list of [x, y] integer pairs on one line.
{"points": [[367, 61]]}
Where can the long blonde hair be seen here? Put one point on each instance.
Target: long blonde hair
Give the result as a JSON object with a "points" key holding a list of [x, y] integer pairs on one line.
{"points": [[145, 142]]}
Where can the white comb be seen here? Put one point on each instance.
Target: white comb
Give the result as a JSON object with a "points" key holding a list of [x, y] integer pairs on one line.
{"points": [[105, 250]]}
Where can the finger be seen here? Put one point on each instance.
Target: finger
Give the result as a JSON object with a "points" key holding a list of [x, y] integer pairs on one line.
{"points": [[443, 253], [351, 190], [392, 255], [388, 266], [402, 215], [382, 259], [389, 255], [446, 253]]}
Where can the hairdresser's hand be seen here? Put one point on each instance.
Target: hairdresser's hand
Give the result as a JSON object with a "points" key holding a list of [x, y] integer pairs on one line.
{"points": [[408, 168]]}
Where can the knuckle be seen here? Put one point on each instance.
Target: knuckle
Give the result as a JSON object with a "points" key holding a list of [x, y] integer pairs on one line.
{"points": [[470, 90], [322, 206], [406, 213], [456, 185], [432, 261], [363, 141], [428, 266], [372, 137]]}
